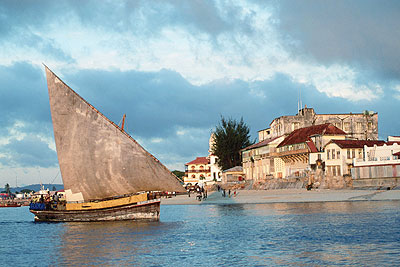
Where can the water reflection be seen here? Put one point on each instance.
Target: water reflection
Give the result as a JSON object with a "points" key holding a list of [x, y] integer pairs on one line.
{"points": [[301, 234], [106, 242]]}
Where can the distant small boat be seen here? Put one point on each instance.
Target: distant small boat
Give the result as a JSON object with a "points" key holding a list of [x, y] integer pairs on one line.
{"points": [[9, 204], [107, 175]]}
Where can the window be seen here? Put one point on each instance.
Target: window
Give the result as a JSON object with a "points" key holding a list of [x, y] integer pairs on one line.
{"points": [[338, 170], [193, 176], [334, 170], [359, 126], [348, 154], [338, 154], [328, 153], [347, 126], [349, 169], [333, 153], [353, 153], [319, 156], [369, 126]]}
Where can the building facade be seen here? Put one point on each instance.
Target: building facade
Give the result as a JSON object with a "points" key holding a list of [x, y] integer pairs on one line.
{"points": [[197, 171], [297, 149], [379, 167], [233, 175], [215, 170], [203, 169], [360, 126], [340, 154], [258, 160]]}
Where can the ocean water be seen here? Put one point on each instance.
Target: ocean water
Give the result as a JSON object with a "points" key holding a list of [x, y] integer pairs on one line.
{"points": [[300, 234]]}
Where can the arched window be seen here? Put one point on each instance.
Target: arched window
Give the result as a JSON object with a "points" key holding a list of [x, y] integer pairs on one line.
{"points": [[201, 167], [193, 176], [193, 167]]}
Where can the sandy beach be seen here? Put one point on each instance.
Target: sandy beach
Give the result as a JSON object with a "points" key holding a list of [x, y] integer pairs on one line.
{"points": [[285, 196]]}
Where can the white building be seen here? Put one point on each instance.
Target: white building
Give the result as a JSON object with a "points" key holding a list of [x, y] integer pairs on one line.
{"points": [[215, 170], [379, 167], [203, 170]]}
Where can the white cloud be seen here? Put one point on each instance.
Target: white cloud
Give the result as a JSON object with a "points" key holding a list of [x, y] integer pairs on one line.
{"points": [[255, 54], [397, 88], [156, 140]]}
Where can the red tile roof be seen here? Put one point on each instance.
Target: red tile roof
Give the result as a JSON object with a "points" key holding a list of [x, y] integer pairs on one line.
{"points": [[392, 143], [396, 154], [199, 160], [260, 144], [303, 134], [356, 143], [312, 147]]}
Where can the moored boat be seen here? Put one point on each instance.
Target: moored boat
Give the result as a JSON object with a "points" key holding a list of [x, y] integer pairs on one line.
{"points": [[6, 204], [107, 175]]}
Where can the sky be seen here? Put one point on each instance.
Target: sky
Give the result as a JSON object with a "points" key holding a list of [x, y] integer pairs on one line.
{"points": [[174, 67]]}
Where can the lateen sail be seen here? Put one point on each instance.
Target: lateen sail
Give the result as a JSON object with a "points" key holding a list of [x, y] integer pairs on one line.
{"points": [[96, 157]]}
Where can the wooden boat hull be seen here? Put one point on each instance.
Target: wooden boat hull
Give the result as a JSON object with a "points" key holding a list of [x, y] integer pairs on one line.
{"points": [[144, 211], [9, 205]]}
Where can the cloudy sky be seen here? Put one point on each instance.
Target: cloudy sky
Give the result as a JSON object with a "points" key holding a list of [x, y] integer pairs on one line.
{"points": [[174, 67]]}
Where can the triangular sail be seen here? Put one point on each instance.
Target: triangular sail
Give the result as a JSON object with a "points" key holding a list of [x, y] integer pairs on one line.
{"points": [[96, 157]]}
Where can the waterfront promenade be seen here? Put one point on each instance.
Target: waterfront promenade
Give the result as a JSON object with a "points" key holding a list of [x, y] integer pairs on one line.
{"points": [[285, 196]]}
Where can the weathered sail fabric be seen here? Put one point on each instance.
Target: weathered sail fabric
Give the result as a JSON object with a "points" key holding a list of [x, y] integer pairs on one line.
{"points": [[96, 157]]}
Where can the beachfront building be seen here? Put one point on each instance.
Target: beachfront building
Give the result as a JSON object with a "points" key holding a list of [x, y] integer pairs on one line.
{"points": [[258, 161], [360, 126], [203, 169], [303, 147], [215, 170], [379, 167], [233, 175], [340, 154], [197, 171]]}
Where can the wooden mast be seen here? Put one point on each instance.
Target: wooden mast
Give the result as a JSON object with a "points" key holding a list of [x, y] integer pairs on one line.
{"points": [[123, 122]]}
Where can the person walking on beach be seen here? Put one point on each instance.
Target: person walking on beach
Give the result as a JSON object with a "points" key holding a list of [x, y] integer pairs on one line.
{"points": [[223, 192]]}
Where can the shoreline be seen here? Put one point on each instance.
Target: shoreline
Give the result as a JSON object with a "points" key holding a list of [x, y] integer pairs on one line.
{"points": [[286, 196]]}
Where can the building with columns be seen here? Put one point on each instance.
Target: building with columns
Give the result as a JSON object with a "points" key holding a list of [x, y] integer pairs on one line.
{"points": [[258, 161], [359, 126]]}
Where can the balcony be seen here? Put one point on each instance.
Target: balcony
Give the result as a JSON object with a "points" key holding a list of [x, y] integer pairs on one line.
{"points": [[198, 171], [292, 152]]}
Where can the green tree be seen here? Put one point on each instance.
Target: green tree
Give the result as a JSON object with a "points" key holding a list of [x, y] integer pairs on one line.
{"points": [[179, 174], [26, 191], [230, 136], [7, 188]]}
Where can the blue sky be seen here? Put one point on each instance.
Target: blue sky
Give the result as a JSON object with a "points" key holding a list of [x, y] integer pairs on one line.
{"points": [[174, 67]]}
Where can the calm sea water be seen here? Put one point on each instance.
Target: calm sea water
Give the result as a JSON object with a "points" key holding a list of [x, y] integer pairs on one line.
{"points": [[299, 234]]}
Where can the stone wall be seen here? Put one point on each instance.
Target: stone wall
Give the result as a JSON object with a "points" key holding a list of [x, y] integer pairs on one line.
{"points": [[361, 126]]}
